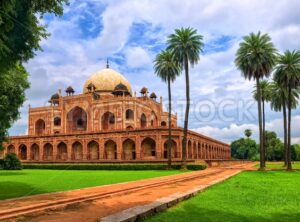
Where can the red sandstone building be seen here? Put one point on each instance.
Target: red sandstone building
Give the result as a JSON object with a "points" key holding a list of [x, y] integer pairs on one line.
{"points": [[106, 123]]}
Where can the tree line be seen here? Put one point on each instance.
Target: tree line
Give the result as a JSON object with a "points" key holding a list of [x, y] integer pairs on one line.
{"points": [[246, 148], [258, 59]]}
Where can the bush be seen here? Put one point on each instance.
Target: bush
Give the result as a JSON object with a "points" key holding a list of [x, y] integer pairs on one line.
{"points": [[112, 166], [11, 162]]}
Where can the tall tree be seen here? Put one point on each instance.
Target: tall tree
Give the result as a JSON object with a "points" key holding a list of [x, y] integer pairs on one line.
{"points": [[264, 86], [12, 95], [256, 58], [20, 35], [278, 103], [186, 46], [21, 29], [167, 69], [287, 74]]}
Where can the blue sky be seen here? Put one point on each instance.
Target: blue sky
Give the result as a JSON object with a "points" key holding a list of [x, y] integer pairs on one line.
{"points": [[131, 32]]}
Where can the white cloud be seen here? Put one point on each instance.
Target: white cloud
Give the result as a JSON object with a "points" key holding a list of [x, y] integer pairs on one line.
{"points": [[70, 56], [137, 57], [234, 131]]}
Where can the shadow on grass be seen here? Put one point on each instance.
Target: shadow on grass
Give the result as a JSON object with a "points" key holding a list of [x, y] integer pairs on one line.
{"points": [[12, 189], [194, 213], [12, 173]]}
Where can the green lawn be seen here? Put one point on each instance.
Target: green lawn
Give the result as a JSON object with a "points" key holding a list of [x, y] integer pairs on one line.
{"points": [[29, 182], [271, 196], [279, 165]]}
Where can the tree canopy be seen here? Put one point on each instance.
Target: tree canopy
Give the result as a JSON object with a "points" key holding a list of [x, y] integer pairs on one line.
{"points": [[21, 31], [12, 95]]}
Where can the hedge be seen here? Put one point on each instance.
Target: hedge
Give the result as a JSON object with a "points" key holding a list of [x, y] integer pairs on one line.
{"points": [[111, 166]]}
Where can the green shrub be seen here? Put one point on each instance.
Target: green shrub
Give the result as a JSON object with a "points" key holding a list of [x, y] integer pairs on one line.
{"points": [[11, 162], [111, 166]]}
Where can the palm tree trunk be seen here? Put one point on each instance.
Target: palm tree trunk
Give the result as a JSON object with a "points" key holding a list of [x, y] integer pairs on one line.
{"points": [[289, 161], [285, 130], [187, 109], [264, 128], [170, 126], [261, 139]]}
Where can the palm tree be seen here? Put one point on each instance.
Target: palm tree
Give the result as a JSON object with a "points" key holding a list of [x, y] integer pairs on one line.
{"points": [[265, 97], [167, 69], [186, 46], [287, 74], [248, 133], [256, 58], [279, 103]]}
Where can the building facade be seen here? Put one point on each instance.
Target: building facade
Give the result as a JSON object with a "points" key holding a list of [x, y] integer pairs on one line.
{"points": [[107, 123]]}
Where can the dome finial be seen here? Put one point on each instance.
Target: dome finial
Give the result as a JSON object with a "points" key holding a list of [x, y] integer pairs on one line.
{"points": [[107, 63]]}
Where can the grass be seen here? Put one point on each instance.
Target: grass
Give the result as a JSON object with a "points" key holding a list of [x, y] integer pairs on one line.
{"points": [[28, 182], [270, 196], [279, 165]]}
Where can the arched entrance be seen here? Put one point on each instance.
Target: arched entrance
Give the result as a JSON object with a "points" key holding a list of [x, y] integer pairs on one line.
{"points": [[48, 151], [62, 151], [190, 151], [143, 121], [35, 152], [163, 123], [22, 152], [129, 114], [93, 150], [108, 121], [148, 148], [153, 119], [11, 149], [76, 120], [77, 151], [110, 150], [173, 149], [40, 127], [129, 150], [57, 121], [195, 151]]}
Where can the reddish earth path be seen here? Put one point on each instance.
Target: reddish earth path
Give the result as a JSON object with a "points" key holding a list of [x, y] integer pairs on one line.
{"points": [[90, 204]]}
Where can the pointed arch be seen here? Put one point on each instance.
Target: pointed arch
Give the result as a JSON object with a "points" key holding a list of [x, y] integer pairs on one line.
{"points": [[77, 120], [48, 152], [128, 150], [23, 152], [173, 149], [194, 150], [77, 151], [57, 121], [153, 119], [11, 149], [148, 147], [93, 150], [163, 123], [40, 127], [110, 149], [108, 121], [189, 150], [62, 151], [129, 114], [35, 152], [143, 121]]}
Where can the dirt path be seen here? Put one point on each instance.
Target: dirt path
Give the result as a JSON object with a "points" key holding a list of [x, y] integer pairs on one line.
{"points": [[126, 196]]}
